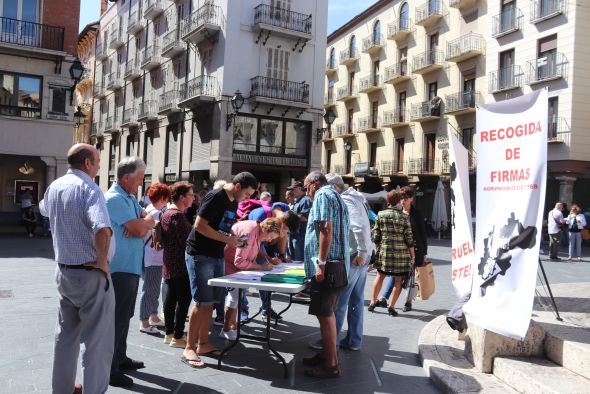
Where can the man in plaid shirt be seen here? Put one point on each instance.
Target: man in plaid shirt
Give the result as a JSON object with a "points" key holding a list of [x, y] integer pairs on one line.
{"points": [[326, 239]]}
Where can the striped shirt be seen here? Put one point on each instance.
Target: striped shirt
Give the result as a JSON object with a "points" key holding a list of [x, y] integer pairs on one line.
{"points": [[327, 206], [77, 210]]}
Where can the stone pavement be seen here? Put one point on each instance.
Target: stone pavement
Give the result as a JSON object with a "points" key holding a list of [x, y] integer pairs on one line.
{"points": [[388, 362]]}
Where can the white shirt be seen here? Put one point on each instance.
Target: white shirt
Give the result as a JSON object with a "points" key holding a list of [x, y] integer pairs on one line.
{"points": [[151, 256], [580, 221], [554, 220], [360, 227]]}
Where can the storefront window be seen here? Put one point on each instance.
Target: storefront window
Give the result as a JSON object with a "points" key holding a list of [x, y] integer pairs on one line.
{"points": [[20, 95], [295, 138], [245, 130], [271, 136]]}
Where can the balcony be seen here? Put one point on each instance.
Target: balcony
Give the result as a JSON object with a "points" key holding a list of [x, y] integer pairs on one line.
{"points": [[427, 62], [369, 124], [347, 93], [426, 166], [507, 22], [542, 9], [331, 66], [114, 80], [370, 84], [547, 68], [153, 9], [147, 111], [129, 118], [328, 135], [399, 29], [29, 34], [203, 24], [150, 58], [111, 124], [363, 169], [98, 90], [330, 100], [462, 4], [396, 118], [116, 38], [132, 71], [465, 47], [94, 130], [101, 51], [393, 168], [274, 91], [344, 131], [348, 57], [505, 79], [373, 44], [429, 13], [172, 45], [168, 102], [203, 89], [397, 73], [282, 22], [134, 25], [462, 102], [426, 110], [559, 131]]}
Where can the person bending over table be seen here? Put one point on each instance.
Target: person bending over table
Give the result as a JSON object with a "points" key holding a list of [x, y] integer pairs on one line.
{"points": [[243, 259]]}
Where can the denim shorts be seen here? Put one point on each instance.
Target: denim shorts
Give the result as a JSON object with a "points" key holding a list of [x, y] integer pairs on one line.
{"points": [[200, 270]]}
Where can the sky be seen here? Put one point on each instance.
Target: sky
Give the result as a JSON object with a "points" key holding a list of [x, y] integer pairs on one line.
{"points": [[339, 11]]}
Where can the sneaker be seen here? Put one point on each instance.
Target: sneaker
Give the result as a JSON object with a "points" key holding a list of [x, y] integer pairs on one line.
{"points": [[231, 335], [179, 343], [273, 315], [168, 339], [382, 302], [244, 316], [157, 324], [150, 330], [317, 345], [346, 346], [218, 321]]}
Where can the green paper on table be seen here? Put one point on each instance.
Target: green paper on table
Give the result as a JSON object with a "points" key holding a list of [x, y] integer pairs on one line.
{"points": [[284, 278], [295, 272]]}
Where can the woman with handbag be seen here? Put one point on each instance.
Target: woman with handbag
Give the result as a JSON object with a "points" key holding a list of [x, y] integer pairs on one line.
{"points": [[393, 236], [575, 223]]}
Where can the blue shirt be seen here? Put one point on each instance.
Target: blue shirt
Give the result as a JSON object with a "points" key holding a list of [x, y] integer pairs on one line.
{"points": [[76, 210], [327, 206], [260, 213], [302, 207], [122, 208]]}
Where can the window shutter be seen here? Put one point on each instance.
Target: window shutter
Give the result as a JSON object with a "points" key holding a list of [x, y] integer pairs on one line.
{"points": [[286, 66], [269, 62], [149, 149], [172, 161]]}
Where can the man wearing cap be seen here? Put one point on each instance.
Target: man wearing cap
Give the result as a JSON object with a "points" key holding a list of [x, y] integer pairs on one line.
{"points": [[301, 206]]}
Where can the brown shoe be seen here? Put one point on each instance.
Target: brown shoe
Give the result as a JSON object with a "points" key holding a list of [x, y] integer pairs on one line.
{"points": [[313, 361], [323, 371]]}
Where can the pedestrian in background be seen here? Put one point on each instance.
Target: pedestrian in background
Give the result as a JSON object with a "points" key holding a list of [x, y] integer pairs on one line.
{"points": [[82, 232], [159, 195], [575, 223], [130, 225], [554, 222], [29, 219]]}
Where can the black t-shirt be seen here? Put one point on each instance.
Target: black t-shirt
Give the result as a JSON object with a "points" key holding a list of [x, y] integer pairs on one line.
{"points": [[220, 212]]}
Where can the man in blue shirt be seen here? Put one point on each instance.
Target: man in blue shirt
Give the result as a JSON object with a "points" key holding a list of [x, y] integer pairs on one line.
{"points": [[130, 224], [301, 207]]}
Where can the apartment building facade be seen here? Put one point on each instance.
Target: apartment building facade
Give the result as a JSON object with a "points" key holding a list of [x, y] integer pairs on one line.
{"points": [[166, 74], [401, 73], [83, 98], [38, 40]]}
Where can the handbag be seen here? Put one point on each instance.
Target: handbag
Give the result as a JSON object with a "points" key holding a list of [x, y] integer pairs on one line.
{"points": [[425, 280], [585, 234]]}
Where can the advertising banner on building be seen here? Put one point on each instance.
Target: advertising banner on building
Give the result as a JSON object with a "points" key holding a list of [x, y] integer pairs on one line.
{"points": [[462, 252], [511, 150]]}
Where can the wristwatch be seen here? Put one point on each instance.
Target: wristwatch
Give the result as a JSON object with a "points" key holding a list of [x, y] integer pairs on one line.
{"points": [[320, 262]]}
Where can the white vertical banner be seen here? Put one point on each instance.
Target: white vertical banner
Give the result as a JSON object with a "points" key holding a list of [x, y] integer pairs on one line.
{"points": [[462, 252], [511, 178]]}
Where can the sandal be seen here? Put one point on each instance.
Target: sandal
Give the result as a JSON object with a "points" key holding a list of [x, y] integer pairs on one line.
{"points": [[189, 361], [151, 330], [211, 353]]}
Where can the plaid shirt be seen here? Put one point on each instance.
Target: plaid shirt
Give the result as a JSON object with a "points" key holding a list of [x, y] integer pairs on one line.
{"points": [[327, 207]]}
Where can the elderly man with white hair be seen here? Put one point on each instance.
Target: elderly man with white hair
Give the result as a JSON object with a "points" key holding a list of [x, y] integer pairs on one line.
{"points": [[361, 248]]}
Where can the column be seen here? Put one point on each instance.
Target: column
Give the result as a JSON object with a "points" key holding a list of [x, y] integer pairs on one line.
{"points": [[50, 169], [566, 189]]}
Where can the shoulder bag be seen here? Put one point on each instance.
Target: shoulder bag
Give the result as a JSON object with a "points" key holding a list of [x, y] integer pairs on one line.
{"points": [[335, 276]]}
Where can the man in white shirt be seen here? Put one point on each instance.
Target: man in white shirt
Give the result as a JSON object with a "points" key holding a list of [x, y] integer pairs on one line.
{"points": [[554, 221]]}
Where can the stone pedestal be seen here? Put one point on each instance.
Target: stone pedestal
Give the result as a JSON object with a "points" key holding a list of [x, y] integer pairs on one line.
{"points": [[481, 346]]}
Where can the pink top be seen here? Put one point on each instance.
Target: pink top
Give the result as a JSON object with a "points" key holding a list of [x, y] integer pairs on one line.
{"points": [[243, 259]]}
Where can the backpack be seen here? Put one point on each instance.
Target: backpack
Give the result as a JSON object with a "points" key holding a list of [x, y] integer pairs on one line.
{"points": [[247, 206], [157, 237]]}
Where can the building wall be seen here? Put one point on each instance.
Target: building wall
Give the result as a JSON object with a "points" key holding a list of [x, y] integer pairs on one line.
{"points": [[64, 13]]}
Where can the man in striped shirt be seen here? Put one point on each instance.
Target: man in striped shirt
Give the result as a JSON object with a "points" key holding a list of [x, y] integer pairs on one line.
{"points": [[81, 232], [326, 238]]}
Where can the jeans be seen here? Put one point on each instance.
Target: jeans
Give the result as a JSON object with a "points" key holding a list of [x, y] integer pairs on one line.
{"points": [[200, 270], [353, 299], [554, 240], [125, 286], [296, 247], [575, 244]]}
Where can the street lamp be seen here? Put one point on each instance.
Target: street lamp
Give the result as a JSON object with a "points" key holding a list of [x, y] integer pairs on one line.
{"points": [[76, 71], [79, 116], [347, 146], [236, 102], [329, 118]]}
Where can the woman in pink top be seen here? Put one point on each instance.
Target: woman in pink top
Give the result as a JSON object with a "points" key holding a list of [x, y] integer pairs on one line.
{"points": [[244, 259]]}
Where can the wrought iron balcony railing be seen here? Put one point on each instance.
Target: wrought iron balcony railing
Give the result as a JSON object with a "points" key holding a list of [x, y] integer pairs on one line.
{"points": [[370, 83], [429, 109], [331, 64], [393, 167], [369, 124], [429, 12], [373, 43], [30, 34], [201, 24], [168, 102], [349, 56], [427, 60], [465, 47], [134, 25], [399, 29], [505, 79], [131, 70], [462, 101], [172, 44], [507, 22], [343, 130], [559, 131], [545, 9], [347, 93], [147, 110], [279, 89], [203, 85], [396, 118], [396, 73], [279, 17], [153, 8], [151, 57], [330, 99], [549, 67], [129, 118], [116, 37], [428, 165]]}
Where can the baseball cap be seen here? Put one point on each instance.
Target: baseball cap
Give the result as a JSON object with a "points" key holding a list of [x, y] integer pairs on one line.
{"points": [[296, 184]]}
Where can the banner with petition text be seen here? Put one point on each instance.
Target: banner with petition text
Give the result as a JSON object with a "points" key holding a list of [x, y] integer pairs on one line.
{"points": [[462, 252], [511, 148]]}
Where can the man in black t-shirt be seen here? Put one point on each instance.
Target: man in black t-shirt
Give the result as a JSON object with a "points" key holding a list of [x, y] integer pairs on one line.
{"points": [[204, 259]]}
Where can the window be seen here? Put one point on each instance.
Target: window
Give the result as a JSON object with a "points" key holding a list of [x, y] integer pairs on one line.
{"points": [[377, 33], [508, 15], [330, 90], [295, 138], [171, 149], [373, 154], [506, 77], [401, 105], [132, 145], [332, 58], [553, 111], [113, 154], [403, 60], [245, 133], [20, 95], [348, 163], [328, 160], [404, 17], [148, 149], [399, 164], [351, 83], [376, 73], [25, 10], [277, 63], [271, 136], [349, 123], [429, 149], [547, 57], [57, 100], [352, 47], [433, 47], [432, 90], [374, 114]]}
